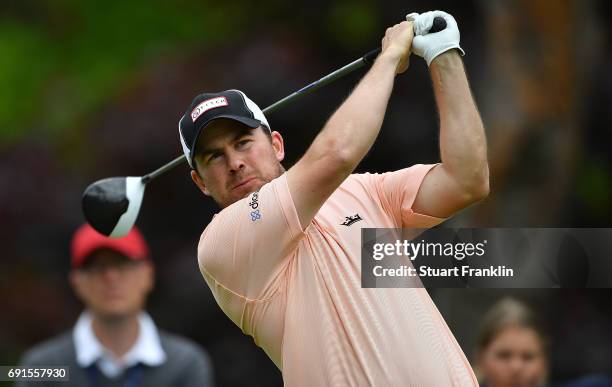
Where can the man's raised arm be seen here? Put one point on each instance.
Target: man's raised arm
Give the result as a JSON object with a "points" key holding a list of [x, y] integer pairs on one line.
{"points": [[463, 176], [351, 130]]}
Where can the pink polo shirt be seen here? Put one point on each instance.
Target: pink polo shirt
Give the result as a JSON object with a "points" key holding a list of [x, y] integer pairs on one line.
{"points": [[298, 292]]}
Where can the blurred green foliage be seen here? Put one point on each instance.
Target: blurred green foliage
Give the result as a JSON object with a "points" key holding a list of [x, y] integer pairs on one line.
{"points": [[594, 186], [60, 59], [350, 22]]}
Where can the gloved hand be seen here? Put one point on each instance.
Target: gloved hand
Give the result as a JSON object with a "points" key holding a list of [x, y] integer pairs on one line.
{"points": [[430, 45]]}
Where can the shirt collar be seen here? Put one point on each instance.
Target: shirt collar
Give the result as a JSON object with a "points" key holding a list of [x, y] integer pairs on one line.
{"points": [[147, 349]]}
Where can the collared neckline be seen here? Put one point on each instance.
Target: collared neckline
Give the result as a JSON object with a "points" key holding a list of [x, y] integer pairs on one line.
{"points": [[146, 350]]}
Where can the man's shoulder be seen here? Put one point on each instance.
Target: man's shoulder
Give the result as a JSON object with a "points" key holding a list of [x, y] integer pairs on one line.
{"points": [[186, 358], [405, 179], [360, 177], [226, 218], [248, 209], [57, 350], [357, 183], [180, 348]]}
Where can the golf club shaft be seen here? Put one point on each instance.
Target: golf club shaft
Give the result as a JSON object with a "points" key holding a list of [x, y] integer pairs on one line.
{"points": [[326, 80], [163, 169], [367, 59], [438, 25]]}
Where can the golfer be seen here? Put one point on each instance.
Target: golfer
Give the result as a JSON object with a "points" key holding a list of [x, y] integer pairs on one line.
{"points": [[283, 256]]}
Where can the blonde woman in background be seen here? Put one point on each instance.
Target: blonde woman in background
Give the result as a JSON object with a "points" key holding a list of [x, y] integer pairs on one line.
{"points": [[512, 347], [513, 350]]}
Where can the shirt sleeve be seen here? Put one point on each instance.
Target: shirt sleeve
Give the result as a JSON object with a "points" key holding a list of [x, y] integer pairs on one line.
{"points": [[247, 245], [400, 188]]}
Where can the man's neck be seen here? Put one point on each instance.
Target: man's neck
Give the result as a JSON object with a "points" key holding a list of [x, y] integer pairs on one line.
{"points": [[117, 335]]}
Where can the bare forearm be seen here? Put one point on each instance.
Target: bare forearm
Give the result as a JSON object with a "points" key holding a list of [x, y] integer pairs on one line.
{"points": [[463, 146], [353, 128]]}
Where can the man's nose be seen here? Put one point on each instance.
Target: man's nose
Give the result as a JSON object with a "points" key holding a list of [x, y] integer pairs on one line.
{"points": [[235, 162], [110, 273], [516, 364]]}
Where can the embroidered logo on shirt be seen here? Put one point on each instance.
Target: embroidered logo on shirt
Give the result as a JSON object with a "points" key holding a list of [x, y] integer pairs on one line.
{"points": [[350, 220], [254, 204]]}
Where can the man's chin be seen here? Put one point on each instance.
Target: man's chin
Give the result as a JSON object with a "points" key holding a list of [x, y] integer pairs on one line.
{"points": [[111, 315], [244, 191]]}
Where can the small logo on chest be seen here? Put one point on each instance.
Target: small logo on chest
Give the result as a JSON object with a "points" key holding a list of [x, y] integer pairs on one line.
{"points": [[350, 220], [254, 204]]}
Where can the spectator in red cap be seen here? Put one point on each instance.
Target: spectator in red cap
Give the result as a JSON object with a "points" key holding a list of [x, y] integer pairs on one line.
{"points": [[115, 342]]}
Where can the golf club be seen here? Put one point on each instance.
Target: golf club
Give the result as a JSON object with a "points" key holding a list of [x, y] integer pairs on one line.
{"points": [[111, 205]]}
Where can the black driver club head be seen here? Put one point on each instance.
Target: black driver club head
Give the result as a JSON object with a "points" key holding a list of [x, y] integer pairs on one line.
{"points": [[111, 205]]}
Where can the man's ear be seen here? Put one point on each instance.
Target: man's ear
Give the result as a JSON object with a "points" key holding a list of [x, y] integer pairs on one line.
{"points": [[76, 282], [150, 273], [278, 145], [199, 182]]}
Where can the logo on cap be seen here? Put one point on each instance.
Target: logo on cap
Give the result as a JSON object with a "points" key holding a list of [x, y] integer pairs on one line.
{"points": [[205, 106]]}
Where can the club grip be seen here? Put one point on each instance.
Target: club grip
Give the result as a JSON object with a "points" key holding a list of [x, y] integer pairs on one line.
{"points": [[438, 25], [370, 57]]}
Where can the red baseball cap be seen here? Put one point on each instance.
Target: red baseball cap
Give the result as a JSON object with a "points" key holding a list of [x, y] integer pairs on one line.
{"points": [[86, 240]]}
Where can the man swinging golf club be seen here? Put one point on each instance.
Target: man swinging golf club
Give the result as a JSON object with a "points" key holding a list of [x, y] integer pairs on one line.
{"points": [[282, 261]]}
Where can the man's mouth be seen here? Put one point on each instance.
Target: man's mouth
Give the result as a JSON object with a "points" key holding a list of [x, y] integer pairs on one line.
{"points": [[243, 183]]}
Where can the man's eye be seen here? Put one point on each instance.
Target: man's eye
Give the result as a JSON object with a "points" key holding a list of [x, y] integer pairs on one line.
{"points": [[503, 355], [529, 356], [243, 143], [213, 156]]}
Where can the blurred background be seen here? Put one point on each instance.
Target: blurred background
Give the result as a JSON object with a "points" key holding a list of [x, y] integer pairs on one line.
{"points": [[92, 89]]}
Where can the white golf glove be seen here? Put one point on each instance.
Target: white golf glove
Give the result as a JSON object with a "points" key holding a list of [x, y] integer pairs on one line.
{"points": [[431, 45]]}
